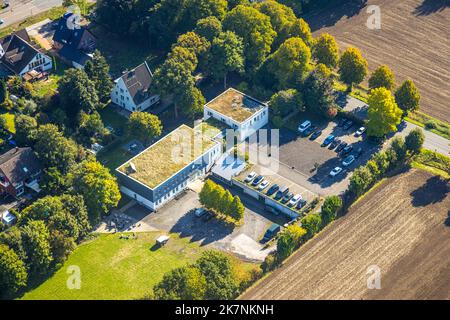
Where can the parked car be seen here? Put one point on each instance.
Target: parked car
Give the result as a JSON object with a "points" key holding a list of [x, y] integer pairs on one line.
{"points": [[2, 21], [283, 190], [348, 161], [335, 171], [315, 135], [360, 131], [250, 177], [358, 152], [341, 146], [334, 143], [274, 188], [271, 232], [263, 184], [208, 216], [287, 197], [341, 122], [257, 180], [302, 127], [300, 204], [329, 139], [200, 212], [346, 150], [294, 200], [309, 130], [348, 124]]}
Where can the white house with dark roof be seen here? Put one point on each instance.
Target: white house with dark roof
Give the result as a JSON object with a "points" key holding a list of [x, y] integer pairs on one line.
{"points": [[133, 92], [239, 111], [18, 56]]}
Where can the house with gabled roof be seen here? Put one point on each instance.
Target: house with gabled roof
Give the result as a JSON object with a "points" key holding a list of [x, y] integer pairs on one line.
{"points": [[73, 42], [18, 56], [133, 90], [19, 168]]}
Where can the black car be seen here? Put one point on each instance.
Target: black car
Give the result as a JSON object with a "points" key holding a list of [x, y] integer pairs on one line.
{"points": [[281, 192], [274, 188], [348, 124], [358, 152], [341, 122], [300, 204], [308, 130], [287, 197], [315, 135], [346, 150], [257, 180], [333, 144], [341, 146]]}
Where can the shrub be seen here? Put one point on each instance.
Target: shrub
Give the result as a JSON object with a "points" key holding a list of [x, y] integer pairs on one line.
{"points": [[330, 208], [270, 263], [289, 240]]}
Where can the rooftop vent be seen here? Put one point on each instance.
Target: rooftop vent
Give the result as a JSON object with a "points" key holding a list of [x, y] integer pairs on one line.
{"points": [[132, 168]]}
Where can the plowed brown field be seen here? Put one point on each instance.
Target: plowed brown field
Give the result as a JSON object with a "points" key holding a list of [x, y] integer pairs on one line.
{"points": [[403, 227], [414, 40]]}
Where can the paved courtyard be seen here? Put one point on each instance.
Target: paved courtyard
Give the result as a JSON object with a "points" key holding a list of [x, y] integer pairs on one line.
{"points": [[178, 217]]}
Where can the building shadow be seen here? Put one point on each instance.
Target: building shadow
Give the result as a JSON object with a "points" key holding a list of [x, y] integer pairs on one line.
{"points": [[434, 190], [428, 7]]}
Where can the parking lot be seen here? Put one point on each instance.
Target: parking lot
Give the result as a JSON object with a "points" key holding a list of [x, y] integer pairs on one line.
{"points": [[178, 217], [307, 163]]}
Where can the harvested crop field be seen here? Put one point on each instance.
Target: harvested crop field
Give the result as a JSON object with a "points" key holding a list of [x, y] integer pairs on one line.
{"points": [[403, 227], [414, 40]]}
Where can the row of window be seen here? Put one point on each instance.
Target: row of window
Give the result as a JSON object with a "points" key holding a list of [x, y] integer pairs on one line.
{"points": [[36, 63]]}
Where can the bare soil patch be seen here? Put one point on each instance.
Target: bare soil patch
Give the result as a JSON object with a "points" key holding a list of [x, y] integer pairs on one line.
{"points": [[403, 227], [414, 40]]}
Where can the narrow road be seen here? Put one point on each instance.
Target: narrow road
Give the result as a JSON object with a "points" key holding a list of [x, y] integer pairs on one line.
{"points": [[19, 10], [432, 141]]}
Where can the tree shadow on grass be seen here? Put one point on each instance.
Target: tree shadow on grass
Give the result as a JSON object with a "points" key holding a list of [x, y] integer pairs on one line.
{"points": [[428, 7], [433, 191], [447, 221]]}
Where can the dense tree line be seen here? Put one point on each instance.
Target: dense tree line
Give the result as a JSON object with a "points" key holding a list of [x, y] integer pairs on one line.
{"points": [[211, 277]]}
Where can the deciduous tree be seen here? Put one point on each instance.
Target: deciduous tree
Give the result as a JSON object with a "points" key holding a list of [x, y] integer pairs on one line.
{"points": [[13, 272], [226, 55], [383, 113], [185, 283], [36, 238], [414, 140], [290, 62], [289, 240], [330, 208], [98, 188], [352, 67], [209, 27], [326, 50], [407, 96], [318, 92], [382, 77], [256, 31], [143, 125], [312, 224]]}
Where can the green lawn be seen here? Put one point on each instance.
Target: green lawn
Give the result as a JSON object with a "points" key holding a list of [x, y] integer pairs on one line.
{"points": [[113, 268]]}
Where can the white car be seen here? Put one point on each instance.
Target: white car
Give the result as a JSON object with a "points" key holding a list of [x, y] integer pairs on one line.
{"points": [[263, 185], [305, 125], [294, 200], [348, 161], [360, 131], [250, 176], [199, 212], [335, 171]]}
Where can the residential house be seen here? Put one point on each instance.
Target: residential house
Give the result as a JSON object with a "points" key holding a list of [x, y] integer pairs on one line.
{"points": [[73, 42], [18, 56], [19, 168], [239, 111], [132, 91], [7, 218]]}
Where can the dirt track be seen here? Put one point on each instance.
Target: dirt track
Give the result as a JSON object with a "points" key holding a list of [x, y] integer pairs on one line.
{"points": [[414, 40], [403, 227]]}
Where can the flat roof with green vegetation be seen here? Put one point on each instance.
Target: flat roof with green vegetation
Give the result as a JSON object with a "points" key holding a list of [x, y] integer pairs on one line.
{"points": [[235, 105], [169, 155]]}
